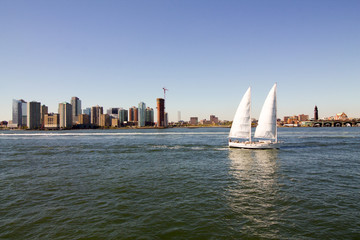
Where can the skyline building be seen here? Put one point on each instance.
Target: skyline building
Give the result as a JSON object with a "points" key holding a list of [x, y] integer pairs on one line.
{"points": [[87, 111], [160, 106], [166, 120], [84, 119], [76, 109], [33, 115], [316, 113], [96, 112], [133, 114], [113, 112], [149, 118], [24, 112], [51, 121], [43, 111], [123, 116], [141, 114], [65, 115], [17, 113], [104, 120]]}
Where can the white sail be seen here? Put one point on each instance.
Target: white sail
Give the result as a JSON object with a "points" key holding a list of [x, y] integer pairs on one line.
{"points": [[241, 126], [267, 121]]}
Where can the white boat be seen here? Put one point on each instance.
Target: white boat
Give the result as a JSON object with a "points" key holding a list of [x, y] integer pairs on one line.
{"points": [[266, 131]]}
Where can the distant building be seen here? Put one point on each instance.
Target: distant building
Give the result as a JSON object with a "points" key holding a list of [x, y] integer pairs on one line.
{"points": [[204, 122], [341, 116], [51, 121], [65, 115], [149, 118], [43, 110], [292, 120], [24, 112], [76, 109], [16, 113], [316, 114], [113, 112], [84, 119], [123, 116], [166, 120], [115, 122], [96, 111], [87, 111], [194, 120], [160, 106], [213, 119], [141, 114], [303, 117], [104, 120], [133, 114], [33, 115]]}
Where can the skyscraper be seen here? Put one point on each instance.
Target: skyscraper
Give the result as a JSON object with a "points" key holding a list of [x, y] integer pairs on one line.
{"points": [[149, 119], [123, 116], [316, 114], [65, 115], [133, 114], [17, 112], [76, 108], [24, 112], [96, 112], [160, 106], [33, 115], [141, 114], [43, 111]]}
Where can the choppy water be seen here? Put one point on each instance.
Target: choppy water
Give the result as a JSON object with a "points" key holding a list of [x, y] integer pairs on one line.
{"points": [[178, 184]]}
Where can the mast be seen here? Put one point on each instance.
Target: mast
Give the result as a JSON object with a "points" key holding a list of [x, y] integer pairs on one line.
{"points": [[276, 130], [250, 118]]}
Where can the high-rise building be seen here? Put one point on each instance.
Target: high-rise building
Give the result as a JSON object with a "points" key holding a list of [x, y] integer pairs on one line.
{"points": [[316, 114], [133, 114], [149, 118], [17, 113], [104, 120], [96, 111], [33, 115], [51, 121], [87, 111], [141, 114], [65, 115], [123, 116], [160, 106], [43, 111], [113, 112], [24, 112], [166, 120], [76, 109], [84, 119]]}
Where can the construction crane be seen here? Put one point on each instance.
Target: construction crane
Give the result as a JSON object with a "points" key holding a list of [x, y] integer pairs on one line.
{"points": [[165, 89]]}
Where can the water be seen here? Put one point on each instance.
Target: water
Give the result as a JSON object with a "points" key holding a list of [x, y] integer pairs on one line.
{"points": [[178, 184]]}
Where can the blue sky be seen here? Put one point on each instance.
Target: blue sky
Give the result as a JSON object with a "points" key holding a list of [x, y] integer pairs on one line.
{"points": [[207, 53]]}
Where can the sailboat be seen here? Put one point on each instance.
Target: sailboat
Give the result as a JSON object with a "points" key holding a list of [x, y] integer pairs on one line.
{"points": [[266, 131]]}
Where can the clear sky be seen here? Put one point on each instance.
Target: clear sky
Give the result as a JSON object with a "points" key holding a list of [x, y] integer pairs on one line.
{"points": [[207, 53]]}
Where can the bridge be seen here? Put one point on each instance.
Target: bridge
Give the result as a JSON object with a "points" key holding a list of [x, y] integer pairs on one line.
{"points": [[332, 123]]}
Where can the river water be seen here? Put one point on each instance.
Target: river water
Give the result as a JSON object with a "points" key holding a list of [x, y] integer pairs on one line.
{"points": [[178, 184]]}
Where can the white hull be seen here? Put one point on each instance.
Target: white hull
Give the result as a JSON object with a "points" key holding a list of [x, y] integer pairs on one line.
{"points": [[255, 145]]}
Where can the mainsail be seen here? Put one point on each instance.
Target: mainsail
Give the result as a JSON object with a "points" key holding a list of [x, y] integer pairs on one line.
{"points": [[241, 126], [267, 121]]}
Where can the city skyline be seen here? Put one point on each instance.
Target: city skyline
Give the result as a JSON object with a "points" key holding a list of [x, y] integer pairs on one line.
{"points": [[206, 53]]}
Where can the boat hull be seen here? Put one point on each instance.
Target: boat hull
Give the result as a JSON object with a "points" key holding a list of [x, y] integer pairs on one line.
{"points": [[255, 145]]}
